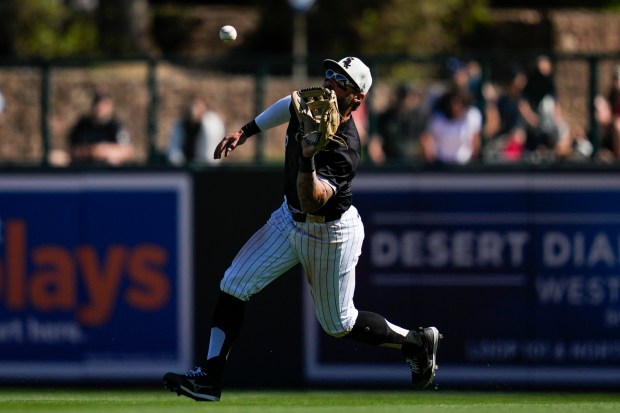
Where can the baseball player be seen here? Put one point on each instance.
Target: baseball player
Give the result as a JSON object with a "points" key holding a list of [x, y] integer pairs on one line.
{"points": [[316, 226]]}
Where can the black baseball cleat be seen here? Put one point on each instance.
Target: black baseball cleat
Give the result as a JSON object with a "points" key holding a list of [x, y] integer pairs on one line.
{"points": [[423, 363], [195, 385]]}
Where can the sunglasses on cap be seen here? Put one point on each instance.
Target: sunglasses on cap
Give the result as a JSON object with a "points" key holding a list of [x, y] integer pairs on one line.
{"points": [[341, 80]]}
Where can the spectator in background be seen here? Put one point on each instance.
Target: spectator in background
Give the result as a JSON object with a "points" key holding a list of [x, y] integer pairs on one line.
{"points": [[453, 132], [399, 129], [607, 112], [508, 104], [576, 147], [196, 135], [540, 109], [468, 76], [99, 137], [507, 141]]}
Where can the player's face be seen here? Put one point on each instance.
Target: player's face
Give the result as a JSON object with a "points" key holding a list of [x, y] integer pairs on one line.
{"points": [[339, 79], [346, 92], [345, 103]]}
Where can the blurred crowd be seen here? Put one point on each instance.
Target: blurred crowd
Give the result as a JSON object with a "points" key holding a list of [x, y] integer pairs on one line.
{"points": [[474, 121], [464, 118], [100, 137]]}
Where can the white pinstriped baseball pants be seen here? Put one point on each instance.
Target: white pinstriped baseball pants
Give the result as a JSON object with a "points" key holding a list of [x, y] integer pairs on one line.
{"points": [[328, 253]]}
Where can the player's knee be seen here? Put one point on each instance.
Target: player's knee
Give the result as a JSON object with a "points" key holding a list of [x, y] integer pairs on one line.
{"points": [[336, 334], [235, 292], [337, 330]]}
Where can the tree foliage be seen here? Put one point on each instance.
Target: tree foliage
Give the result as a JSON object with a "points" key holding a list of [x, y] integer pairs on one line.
{"points": [[372, 26], [403, 26], [45, 28], [557, 4], [49, 28], [52, 28]]}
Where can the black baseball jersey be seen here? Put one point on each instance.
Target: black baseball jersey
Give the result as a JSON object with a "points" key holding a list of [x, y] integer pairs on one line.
{"points": [[335, 163]]}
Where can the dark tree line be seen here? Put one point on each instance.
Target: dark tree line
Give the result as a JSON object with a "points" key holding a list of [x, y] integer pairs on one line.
{"points": [[48, 29]]}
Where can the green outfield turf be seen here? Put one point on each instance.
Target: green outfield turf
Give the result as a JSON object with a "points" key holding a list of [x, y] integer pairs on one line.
{"points": [[367, 401]]}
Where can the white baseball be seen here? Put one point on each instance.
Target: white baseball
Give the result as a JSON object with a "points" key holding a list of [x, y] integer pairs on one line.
{"points": [[228, 33]]}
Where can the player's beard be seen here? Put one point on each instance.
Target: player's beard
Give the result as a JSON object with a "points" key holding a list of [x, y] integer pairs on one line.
{"points": [[345, 104]]}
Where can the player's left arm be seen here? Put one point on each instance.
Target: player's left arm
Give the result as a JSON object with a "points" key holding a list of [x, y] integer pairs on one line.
{"points": [[274, 115], [313, 192]]}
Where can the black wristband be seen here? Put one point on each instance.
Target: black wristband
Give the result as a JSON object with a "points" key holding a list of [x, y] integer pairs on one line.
{"points": [[250, 128], [306, 165]]}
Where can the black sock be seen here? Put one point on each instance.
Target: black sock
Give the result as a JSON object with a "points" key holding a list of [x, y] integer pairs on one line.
{"points": [[371, 328], [225, 328]]}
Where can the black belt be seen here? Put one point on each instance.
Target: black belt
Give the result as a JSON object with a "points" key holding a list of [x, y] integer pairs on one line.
{"points": [[316, 219]]}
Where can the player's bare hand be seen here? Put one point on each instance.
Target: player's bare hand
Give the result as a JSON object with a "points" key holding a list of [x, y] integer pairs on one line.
{"points": [[228, 144], [307, 149]]}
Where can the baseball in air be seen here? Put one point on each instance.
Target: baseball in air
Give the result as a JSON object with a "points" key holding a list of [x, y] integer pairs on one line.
{"points": [[228, 33]]}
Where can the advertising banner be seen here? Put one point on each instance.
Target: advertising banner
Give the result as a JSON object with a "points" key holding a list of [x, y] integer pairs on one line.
{"points": [[95, 275], [520, 272]]}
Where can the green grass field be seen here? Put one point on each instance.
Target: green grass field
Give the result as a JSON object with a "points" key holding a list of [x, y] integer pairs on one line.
{"points": [[367, 401]]}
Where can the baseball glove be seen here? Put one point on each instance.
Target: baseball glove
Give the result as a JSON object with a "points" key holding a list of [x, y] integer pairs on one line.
{"points": [[319, 118]]}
